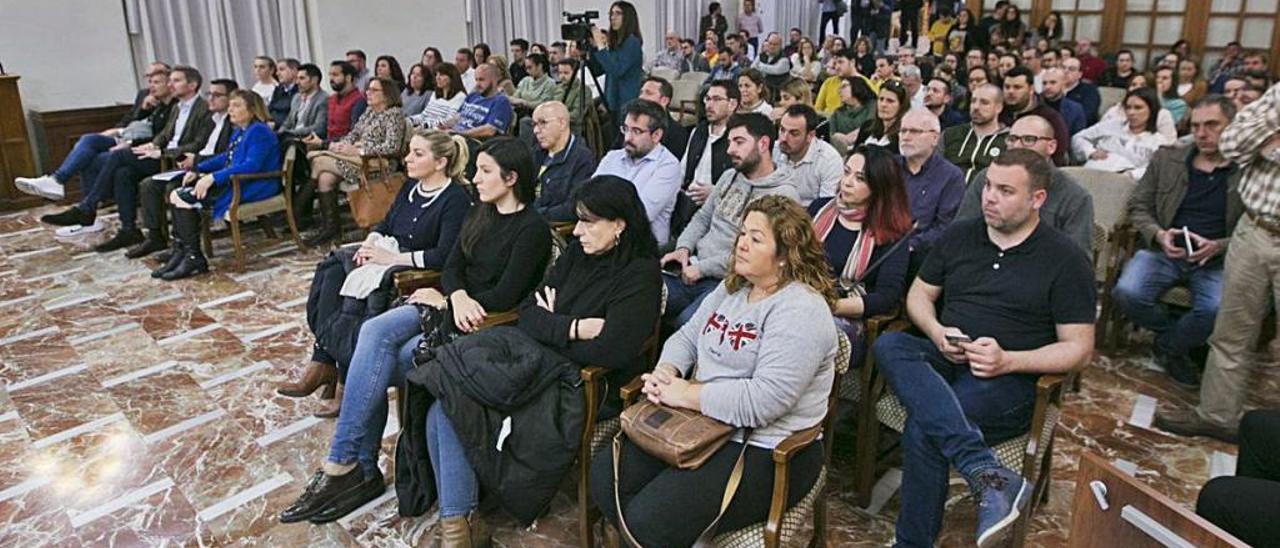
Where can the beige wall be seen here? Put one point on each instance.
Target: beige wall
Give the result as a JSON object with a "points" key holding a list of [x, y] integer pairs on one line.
{"points": [[397, 27]]}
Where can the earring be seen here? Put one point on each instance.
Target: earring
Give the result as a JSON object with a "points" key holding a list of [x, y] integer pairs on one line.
{"points": [[781, 264], [617, 238]]}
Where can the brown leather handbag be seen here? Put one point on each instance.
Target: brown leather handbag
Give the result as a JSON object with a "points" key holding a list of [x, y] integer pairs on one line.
{"points": [[371, 201]]}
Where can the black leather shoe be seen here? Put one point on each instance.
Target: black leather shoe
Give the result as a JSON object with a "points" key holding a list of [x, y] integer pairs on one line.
{"points": [[371, 488], [152, 244], [321, 491], [192, 263], [70, 217], [122, 239]]}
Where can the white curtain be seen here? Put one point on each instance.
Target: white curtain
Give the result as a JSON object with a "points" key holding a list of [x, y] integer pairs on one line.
{"points": [[220, 38], [804, 16], [682, 16], [497, 22]]}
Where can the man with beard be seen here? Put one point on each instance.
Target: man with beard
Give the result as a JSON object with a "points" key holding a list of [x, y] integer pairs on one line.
{"points": [[707, 157], [346, 104], [652, 168], [815, 165], [703, 250], [1055, 95], [1000, 301], [972, 146], [937, 98], [1020, 100], [486, 112], [934, 185], [1067, 207]]}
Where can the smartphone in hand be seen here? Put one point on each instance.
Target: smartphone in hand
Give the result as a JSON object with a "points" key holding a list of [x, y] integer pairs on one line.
{"points": [[1187, 242], [954, 338]]}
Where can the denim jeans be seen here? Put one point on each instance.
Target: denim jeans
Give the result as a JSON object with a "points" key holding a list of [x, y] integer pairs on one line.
{"points": [[948, 413], [383, 354], [1147, 276], [683, 300], [83, 157], [456, 482]]}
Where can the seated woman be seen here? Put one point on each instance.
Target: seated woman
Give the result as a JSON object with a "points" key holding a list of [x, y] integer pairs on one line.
{"points": [[445, 99], [379, 131], [1167, 89], [752, 88], [1164, 120], [795, 91], [1191, 87], [892, 104], [253, 148], [1123, 146], [597, 307], [764, 355], [857, 107], [805, 65], [499, 258], [419, 231], [858, 229]]}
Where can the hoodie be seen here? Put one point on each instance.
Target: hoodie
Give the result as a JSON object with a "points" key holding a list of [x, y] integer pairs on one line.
{"points": [[710, 234]]}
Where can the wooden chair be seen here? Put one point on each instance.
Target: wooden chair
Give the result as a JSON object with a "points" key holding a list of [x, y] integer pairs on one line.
{"points": [[1110, 193], [684, 100], [865, 390], [784, 524], [260, 209], [667, 74]]}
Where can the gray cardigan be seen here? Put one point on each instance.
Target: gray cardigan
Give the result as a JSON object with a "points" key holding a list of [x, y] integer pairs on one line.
{"points": [[711, 232], [766, 365]]}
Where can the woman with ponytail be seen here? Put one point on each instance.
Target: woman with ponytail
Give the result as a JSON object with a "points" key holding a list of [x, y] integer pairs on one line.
{"points": [[418, 231]]}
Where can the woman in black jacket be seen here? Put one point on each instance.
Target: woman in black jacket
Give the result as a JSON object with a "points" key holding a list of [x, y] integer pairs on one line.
{"points": [[858, 229], [499, 257], [418, 232], [597, 307]]}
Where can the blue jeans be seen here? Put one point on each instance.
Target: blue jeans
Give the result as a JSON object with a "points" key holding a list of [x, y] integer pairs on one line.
{"points": [[383, 354], [948, 412], [1147, 276], [86, 157], [683, 300], [456, 482]]}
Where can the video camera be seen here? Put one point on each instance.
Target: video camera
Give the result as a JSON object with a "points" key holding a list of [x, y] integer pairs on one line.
{"points": [[577, 27]]}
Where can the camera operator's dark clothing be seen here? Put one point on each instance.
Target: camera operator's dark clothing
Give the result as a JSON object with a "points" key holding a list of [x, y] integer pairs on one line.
{"points": [[623, 73], [1247, 505]]}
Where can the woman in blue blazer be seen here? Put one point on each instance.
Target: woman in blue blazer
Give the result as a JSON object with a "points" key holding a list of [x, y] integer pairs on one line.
{"points": [[253, 149]]}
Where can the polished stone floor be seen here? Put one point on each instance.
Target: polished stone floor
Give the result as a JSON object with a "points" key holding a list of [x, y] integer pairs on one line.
{"points": [[138, 412]]}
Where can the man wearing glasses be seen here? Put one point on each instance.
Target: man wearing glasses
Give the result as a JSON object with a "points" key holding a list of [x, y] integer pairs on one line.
{"points": [[934, 185], [1082, 92], [564, 162], [652, 168], [1067, 207], [708, 153]]}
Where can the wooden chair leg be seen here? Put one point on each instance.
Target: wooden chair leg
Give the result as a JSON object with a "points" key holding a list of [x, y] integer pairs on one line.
{"points": [[586, 520], [819, 539], [235, 240]]}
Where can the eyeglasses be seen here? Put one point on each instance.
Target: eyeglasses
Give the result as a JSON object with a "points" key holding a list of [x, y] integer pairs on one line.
{"points": [[1026, 140], [714, 99], [216, 94], [912, 132], [633, 131]]}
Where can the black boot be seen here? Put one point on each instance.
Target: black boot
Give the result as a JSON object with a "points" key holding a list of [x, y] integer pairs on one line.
{"points": [[304, 206], [171, 257], [186, 227], [330, 229], [124, 238], [155, 241]]}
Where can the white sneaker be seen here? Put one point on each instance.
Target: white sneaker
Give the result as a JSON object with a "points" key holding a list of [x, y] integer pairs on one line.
{"points": [[77, 230], [44, 186]]}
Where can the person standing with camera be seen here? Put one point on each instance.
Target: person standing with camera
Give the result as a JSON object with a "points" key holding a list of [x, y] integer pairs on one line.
{"points": [[619, 55]]}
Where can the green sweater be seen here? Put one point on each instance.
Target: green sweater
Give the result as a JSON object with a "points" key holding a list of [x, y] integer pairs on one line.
{"points": [[848, 118]]}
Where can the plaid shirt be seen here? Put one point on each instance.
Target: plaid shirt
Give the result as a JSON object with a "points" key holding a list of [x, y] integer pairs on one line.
{"points": [[1243, 142]]}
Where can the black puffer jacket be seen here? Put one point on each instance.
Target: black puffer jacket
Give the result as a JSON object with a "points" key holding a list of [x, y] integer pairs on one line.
{"points": [[481, 380], [335, 320]]}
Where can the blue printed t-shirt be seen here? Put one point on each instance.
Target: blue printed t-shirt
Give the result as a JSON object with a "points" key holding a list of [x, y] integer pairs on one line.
{"points": [[479, 110]]}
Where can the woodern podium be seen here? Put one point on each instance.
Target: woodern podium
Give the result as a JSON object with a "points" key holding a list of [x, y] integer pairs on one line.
{"points": [[15, 146]]}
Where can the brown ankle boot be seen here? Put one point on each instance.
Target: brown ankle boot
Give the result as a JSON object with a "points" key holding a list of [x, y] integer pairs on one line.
{"points": [[334, 409], [318, 374], [467, 531]]}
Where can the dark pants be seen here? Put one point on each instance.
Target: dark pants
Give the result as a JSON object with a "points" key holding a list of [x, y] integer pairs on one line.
{"points": [[910, 21], [828, 18], [666, 506], [119, 177], [153, 197], [1247, 505], [952, 416]]}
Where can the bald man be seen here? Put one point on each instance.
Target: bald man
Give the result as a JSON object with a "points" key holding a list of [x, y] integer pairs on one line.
{"points": [[1055, 95], [1082, 91], [934, 185], [563, 160], [1067, 207], [486, 112]]}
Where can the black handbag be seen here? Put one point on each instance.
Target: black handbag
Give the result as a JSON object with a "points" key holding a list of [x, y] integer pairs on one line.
{"points": [[437, 330]]}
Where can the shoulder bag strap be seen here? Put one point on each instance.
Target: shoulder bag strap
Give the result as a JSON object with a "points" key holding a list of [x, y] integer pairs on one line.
{"points": [[731, 487]]}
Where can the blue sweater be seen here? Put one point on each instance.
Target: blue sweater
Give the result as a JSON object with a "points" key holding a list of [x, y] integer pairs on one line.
{"points": [[623, 71], [427, 233], [252, 150]]}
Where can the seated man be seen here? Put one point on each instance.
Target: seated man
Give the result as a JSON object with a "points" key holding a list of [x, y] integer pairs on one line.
{"points": [[1190, 188], [575, 98], [345, 105], [934, 186], [1017, 301], [1055, 95], [1068, 207], [486, 112], [937, 98], [648, 165], [186, 131], [816, 167], [149, 113], [152, 192], [707, 155], [564, 159], [658, 90], [701, 257], [308, 110], [971, 146]]}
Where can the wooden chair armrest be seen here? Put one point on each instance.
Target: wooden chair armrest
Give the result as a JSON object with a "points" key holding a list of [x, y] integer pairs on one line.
{"points": [[565, 229], [631, 391], [257, 176], [409, 281], [1050, 382], [788, 447], [1048, 392], [506, 317], [593, 373]]}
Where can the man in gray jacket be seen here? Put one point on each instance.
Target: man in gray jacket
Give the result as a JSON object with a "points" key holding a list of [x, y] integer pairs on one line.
{"points": [[1189, 192], [1068, 207], [703, 250], [308, 114]]}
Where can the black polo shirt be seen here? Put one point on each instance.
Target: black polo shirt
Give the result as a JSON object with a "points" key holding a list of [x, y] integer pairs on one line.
{"points": [[1016, 296]]}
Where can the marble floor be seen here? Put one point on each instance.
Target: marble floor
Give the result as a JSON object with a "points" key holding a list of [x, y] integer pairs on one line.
{"points": [[135, 412]]}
